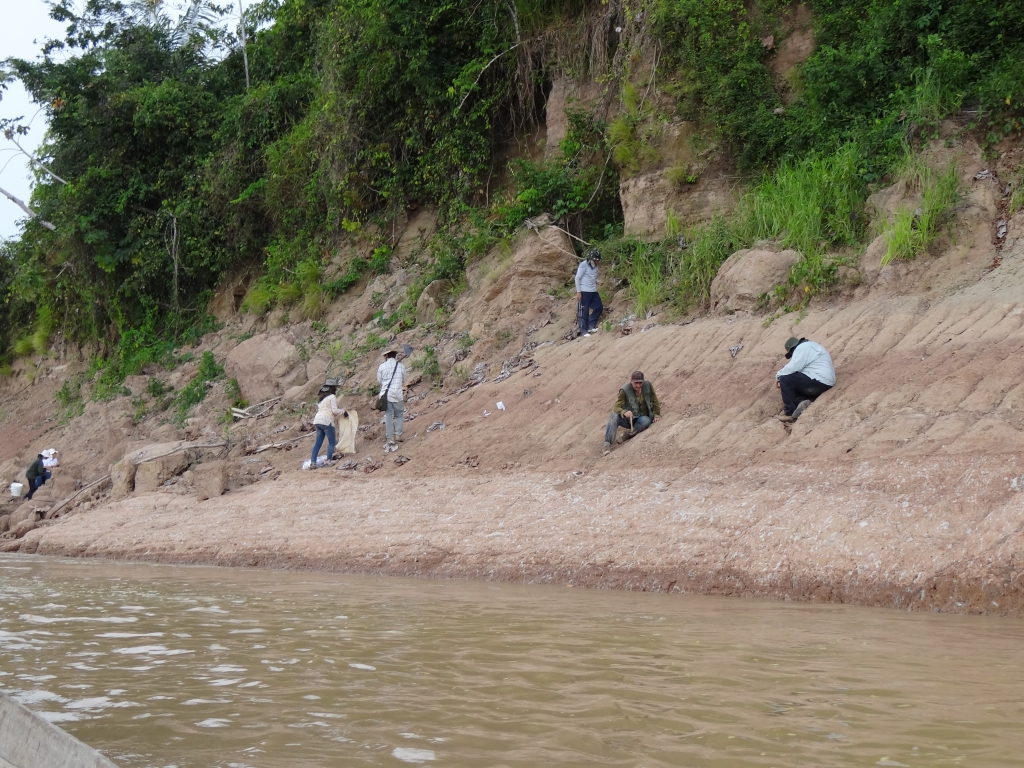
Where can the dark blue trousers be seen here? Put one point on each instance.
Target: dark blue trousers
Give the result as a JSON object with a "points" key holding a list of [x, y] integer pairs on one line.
{"points": [[590, 310]]}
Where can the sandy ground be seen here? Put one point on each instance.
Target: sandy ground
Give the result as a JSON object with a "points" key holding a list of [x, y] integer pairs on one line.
{"points": [[933, 534]]}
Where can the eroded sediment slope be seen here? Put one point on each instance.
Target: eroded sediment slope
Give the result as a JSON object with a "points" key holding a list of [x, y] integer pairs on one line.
{"points": [[898, 487]]}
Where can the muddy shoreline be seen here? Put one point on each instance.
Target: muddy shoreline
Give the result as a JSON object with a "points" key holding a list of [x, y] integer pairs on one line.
{"points": [[763, 532]]}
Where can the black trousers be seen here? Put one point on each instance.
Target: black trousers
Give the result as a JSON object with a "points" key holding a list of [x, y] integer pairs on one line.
{"points": [[799, 386]]}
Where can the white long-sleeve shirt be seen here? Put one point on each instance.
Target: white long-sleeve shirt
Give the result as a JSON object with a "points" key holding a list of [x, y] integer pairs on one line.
{"points": [[811, 359], [586, 277], [384, 374], [326, 410]]}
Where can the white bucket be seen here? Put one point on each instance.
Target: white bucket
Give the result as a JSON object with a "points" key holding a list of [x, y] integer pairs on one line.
{"points": [[16, 489]]}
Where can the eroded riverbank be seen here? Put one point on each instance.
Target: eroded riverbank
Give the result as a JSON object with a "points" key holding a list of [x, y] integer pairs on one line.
{"points": [[921, 534]]}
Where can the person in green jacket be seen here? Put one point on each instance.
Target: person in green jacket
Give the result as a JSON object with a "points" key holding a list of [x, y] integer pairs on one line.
{"points": [[636, 408], [37, 475]]}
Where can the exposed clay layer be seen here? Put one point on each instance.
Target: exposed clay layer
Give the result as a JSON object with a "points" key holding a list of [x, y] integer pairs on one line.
{"points": [[820, 532]]}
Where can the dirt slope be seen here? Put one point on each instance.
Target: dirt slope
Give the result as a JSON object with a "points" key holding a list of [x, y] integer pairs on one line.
{"points": [[899, 487]]}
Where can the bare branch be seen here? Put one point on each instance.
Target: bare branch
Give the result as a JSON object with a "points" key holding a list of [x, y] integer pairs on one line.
{"points": [[481, 72], [32, 214], [10, 137]]}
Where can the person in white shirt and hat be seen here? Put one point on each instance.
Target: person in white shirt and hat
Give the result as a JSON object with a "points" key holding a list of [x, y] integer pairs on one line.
{"points": [[391, 376], [808, 375], [327, 410]]}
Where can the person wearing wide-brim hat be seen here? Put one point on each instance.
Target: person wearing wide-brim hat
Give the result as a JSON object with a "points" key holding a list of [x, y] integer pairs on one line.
{"points": [[391, 376], [808, 375], [327, 410], [588, 300]]}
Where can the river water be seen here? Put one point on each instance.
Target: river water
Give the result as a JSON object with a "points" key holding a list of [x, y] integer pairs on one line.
{"points": [[199, 667]]}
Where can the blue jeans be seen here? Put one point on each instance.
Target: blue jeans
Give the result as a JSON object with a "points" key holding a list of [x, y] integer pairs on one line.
{"points": [[322, 431], [393, 419], [590, 310], [640, 423]]}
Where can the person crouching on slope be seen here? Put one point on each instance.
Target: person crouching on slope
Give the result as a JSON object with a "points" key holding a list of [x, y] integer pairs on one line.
{"points": [[636, 408], [807, 375], [327, 411], [391, 376], [588, 300]]}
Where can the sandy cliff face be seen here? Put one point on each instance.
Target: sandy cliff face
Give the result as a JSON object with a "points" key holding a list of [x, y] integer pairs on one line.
{"points": [[899, 487]]}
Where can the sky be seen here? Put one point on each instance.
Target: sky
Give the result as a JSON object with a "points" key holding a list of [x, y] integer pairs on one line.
{"points": [[26, 24]]}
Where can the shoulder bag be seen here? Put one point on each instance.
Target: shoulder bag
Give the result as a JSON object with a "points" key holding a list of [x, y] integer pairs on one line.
{"points": [[381, 403]]}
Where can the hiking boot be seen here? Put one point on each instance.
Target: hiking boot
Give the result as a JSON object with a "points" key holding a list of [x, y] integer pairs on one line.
{"points": [[607, 448], [801, 407], [787, 419], [398, 439]]}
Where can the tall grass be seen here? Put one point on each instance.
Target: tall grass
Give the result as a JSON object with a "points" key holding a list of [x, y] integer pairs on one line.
{"points": [[909, 232], [645, 281], [695, 267], [809, 205]]}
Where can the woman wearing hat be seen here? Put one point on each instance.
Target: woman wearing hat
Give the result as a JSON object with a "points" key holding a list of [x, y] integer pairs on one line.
{"points": [[327, 411], [391, 377]]}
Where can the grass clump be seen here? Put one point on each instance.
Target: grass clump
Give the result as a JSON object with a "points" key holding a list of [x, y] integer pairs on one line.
{"points": [[234, 394], [695, 268], [909, 232], [809, 204], [627, 136], [646, 282], [430, 365], [258, 300], [194, 392], [69, 398]]}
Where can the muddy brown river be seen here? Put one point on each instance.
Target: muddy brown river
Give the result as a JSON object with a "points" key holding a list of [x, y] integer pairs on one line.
{"points": [[198, 667]]}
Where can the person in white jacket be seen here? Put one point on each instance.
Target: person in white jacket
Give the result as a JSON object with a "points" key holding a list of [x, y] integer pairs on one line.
{"points": [[588, 300], [808, 375]]}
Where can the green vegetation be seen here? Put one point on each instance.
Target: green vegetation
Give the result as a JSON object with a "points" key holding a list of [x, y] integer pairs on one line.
{"points": [[69, 398], [194, 392], [173, 170], [814, 205], [234, 394], [910, 232], [430, 365]]}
